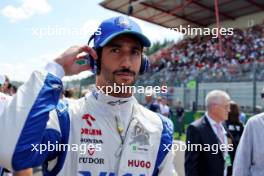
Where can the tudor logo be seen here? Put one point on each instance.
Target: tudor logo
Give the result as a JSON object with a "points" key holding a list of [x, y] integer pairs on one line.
{"points": [[88, 118], [91, 160]]}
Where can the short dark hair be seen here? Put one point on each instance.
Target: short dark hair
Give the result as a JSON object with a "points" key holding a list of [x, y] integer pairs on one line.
{"points": [[234, 113], [68, 93]]}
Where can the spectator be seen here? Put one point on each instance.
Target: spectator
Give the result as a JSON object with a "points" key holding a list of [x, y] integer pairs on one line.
{"points": [[180, 117], [208, 130], [67, 96], [151, 103], [164, 108], [249, 154], [4, 98], [12, 90], [2, 81], [5, 86], [235, 127], [68, 93], [242, 116]]}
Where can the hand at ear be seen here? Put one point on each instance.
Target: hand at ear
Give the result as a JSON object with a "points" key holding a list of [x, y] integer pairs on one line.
{"points": [[68, 59]]}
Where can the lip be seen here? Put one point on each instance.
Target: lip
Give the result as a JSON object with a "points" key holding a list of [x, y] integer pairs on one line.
{"points": [[126, 74]]}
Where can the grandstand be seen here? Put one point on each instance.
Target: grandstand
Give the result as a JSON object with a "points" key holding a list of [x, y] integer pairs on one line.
{"points": [[199, 56], [197, 59]]}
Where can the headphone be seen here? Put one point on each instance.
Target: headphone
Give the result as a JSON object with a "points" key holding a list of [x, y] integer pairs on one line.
{"points": [[95, 65]]}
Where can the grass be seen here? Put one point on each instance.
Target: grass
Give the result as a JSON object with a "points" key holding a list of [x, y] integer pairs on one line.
{"points": [[176, 136]]}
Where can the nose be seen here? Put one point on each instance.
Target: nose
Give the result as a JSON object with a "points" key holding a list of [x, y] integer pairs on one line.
{"points": [[125, 61]]}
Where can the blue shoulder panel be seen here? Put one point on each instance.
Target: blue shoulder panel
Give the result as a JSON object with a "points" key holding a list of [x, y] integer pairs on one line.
{"points": [[64, 121], [166, 139]]}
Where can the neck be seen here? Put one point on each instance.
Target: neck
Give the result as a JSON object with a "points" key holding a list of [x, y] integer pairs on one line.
{"points": [[214, 117]]}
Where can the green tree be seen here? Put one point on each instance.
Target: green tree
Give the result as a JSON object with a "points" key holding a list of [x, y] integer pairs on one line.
{"points": [[157, 46]]}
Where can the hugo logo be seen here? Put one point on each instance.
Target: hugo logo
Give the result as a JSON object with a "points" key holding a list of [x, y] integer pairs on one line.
{"points": [[139, 163]]}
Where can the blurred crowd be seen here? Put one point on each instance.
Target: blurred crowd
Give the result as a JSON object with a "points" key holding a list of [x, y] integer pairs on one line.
{"points": [[7, 87], [201, 57]]}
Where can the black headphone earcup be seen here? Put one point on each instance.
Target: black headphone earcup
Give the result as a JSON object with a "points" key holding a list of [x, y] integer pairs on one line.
{"points": [[94, 64], [97, 63], [91, 62]]}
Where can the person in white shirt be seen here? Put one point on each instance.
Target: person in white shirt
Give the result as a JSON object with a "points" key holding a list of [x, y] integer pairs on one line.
{"points": [[164, 108]]}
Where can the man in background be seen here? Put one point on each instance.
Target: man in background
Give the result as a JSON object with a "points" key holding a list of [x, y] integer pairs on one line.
{"points": [[249, 155], [164, 108], [151, 103], [180, 116], [209, 131]]}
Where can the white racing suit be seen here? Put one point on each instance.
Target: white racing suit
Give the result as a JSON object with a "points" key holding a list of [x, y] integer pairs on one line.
{"points": [[85, 136]]}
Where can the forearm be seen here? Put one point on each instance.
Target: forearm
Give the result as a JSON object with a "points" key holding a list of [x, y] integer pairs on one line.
{"points": [[26, 172]]}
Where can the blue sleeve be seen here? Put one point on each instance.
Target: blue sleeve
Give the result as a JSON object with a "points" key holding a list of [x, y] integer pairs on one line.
{"points": [[166, 140], [34, 131], [1, 171]]}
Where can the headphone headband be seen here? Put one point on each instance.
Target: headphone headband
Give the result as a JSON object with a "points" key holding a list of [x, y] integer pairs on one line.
{"points": [[90, 39]]}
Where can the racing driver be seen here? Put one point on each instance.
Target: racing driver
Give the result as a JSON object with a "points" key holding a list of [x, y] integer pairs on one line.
{"points": [[122, 137]]}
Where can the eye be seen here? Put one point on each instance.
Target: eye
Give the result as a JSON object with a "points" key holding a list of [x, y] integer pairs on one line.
{"points": [[136, 52], [115, 50]]}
